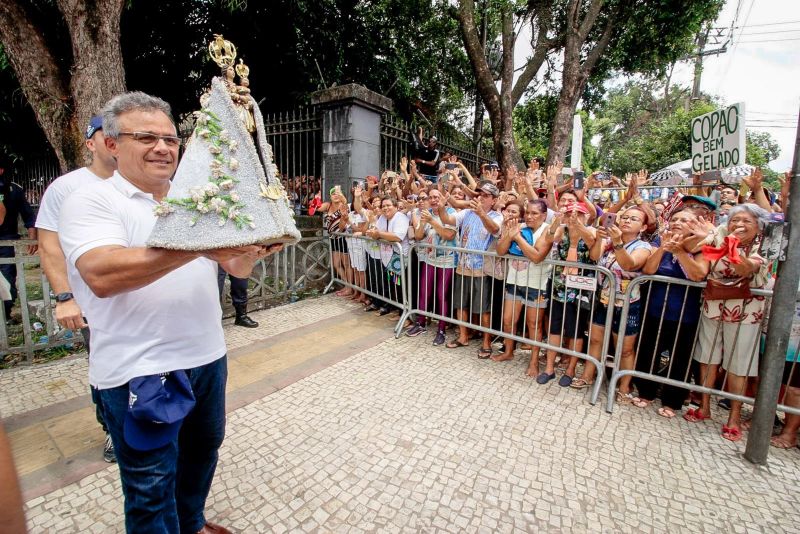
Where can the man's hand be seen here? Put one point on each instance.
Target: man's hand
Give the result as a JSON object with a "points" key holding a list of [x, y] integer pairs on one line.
{"points": [[477, 207], [256, 252], [69, 315]]}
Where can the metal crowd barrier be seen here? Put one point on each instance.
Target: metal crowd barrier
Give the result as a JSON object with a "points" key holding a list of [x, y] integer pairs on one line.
{"points": [[496, 296], [665, 374], [43, 333], [378, 282]]}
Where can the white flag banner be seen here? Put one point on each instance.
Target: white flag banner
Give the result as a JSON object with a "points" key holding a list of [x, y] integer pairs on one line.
{"points": [[577, 142]]}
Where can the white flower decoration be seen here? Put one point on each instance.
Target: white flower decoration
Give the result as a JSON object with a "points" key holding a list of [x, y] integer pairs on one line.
{"points": [[215, 150], [233, 145], [224, 137], [202, 207], [233, 213], [204, 133], [226, 184], [221, 221], [197, 193], [217, 204], [201, 118], [233, 164], [235, 196], [162, 209], [211, 189]]}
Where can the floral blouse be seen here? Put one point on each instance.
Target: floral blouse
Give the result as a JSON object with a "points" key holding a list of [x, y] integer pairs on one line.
{"points": [[749, 311], [560, 250]]}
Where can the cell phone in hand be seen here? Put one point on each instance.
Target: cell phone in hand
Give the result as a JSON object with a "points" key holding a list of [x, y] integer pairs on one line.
{"points": [[607, 220], [578, 178], [450, 166]]}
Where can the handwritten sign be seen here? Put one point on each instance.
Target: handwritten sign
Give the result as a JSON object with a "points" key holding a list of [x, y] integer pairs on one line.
{"points": [[577, 143], [718, 139]]}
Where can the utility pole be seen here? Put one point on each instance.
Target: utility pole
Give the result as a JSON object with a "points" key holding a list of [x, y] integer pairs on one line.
{"points": [[779, 328], [702, 37]]}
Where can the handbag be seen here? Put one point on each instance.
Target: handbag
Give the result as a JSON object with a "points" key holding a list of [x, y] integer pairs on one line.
{"points": [[720, 290], [737, 289]]}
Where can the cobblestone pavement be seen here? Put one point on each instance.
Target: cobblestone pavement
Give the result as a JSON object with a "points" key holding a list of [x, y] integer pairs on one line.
{"points": [[29, 388], [405, 437]]}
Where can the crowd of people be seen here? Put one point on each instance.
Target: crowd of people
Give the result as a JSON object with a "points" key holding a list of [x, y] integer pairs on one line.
{"points": [[544, 256]]}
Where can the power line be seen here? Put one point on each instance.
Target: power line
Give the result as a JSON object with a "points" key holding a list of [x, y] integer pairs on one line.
{"points": [[776, 31], [767, 24], [771, 40]]}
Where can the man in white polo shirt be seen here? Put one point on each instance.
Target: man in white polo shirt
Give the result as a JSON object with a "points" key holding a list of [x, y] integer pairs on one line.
{"points": [[68, 313], [144, 343]]}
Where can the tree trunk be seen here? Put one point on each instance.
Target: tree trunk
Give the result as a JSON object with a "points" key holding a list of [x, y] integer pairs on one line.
{"points": [[64, 98], [98, 72], [499, 104], [576, 71], [40, 78], [572, 86]]}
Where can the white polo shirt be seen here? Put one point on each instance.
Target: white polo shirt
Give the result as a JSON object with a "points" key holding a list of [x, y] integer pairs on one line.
{"points": [[173, 323], [57, 192]]}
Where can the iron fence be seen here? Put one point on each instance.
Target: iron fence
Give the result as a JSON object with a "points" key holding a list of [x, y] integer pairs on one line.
{"points": [[283, 276], [34, 177], [296, 139], [397, 141]]}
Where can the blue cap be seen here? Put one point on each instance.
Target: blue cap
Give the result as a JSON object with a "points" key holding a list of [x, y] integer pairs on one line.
{"points": [[157, 405], [95, 123]]}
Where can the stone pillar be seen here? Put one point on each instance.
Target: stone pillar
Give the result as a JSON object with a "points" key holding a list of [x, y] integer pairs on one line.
{"points": [[351, 134]]}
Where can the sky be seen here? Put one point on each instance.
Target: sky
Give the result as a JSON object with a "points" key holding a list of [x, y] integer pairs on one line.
{"points": [[760, 68]]}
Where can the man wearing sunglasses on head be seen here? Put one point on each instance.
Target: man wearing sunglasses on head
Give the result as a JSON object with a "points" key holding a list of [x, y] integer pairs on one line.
{"points": [[68, 313]]}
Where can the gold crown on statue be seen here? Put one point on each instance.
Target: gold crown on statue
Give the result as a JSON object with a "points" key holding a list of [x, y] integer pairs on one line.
{"points": [[222, 51], [242, 70]]}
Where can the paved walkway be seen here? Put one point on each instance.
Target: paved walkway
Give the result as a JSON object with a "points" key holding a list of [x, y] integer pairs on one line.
{"points": [[335, 426]]}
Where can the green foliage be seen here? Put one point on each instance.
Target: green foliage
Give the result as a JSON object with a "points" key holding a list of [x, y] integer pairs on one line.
{"points": [[410, 51], [533, 122], [639, 128]]}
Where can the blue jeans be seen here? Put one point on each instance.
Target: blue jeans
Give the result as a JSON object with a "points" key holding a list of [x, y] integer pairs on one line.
{"points": [[165, 489]]}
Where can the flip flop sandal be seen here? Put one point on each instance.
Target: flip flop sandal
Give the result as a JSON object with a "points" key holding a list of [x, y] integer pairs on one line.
{"points": [[484, 353], [580, 383], [779, 444], [624, 398], [695, 415], [731, 433], [640, 402], [456, 344], [669, 413]]}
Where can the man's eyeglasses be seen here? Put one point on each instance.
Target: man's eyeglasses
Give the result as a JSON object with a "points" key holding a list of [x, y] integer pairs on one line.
{"points": [[150, 139]]}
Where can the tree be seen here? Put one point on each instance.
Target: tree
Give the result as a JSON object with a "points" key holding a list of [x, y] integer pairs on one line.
{"points": [[411, 51], [598, 38], [640, 128], [500, 102], [623, 36], [65, 75]]}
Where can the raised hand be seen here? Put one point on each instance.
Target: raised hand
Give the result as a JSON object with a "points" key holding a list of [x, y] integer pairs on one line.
{"points": [[404, 164]]}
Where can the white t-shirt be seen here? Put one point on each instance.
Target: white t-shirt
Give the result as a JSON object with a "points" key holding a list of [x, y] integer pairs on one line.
{"points": [[57, 192], [397, 226], [172, 323]]}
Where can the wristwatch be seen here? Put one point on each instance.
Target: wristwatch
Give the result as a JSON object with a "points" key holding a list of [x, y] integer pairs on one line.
{"points": [[618, 246], [64, 297]]}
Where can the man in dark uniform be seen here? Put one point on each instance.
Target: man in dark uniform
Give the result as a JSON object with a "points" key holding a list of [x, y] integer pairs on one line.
{"points": [[15, 204], [426, 156]]}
